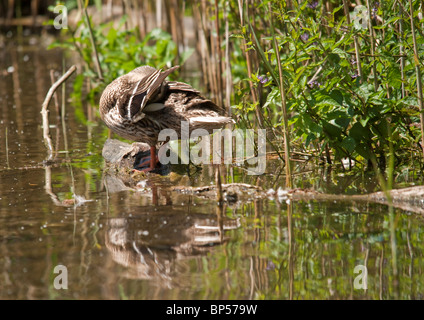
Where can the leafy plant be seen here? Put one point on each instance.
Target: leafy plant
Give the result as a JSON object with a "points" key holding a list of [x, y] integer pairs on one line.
{"points": [[334, 108], [120, 50]]}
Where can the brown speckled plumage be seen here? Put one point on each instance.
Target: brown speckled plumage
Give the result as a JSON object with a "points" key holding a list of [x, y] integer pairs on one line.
{"points": [[141, 103]]}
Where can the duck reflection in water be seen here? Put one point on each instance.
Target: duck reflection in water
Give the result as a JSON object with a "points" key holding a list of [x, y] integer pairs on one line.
{"points": [[156, 246]]}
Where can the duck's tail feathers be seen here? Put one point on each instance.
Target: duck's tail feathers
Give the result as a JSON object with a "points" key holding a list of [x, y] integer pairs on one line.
{"points": [[181, 86], [210, 122]]}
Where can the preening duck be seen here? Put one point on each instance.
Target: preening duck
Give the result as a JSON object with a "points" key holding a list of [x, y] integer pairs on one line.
{"points": [[141, 103]]}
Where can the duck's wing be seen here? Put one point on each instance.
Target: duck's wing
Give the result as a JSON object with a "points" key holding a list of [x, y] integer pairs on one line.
{"points": [[145, 89], [181, 86]]}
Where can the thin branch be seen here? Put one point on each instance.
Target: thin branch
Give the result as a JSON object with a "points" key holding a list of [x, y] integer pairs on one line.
{"points": [[45, 105]]}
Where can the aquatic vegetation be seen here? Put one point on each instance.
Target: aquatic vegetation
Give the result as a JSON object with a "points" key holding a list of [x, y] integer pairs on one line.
{"points": [[335, 80], [335, 109]]}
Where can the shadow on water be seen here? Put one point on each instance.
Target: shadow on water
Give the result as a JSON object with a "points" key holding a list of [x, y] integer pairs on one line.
{"points": [[149, 240]]}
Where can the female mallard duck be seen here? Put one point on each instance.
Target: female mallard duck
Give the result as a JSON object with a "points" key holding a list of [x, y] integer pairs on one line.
{"points": [[141, 103]]}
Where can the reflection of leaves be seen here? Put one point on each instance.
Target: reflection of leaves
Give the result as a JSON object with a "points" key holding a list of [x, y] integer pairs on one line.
{"points": [[79, 114]]}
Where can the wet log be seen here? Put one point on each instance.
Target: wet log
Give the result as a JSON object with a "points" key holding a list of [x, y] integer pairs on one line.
{"points": [[126, 160], [121, 154], [123, 157], [409, 199]]}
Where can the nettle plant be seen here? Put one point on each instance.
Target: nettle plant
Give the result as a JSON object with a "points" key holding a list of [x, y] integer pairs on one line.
{"points": [[350, 80]]}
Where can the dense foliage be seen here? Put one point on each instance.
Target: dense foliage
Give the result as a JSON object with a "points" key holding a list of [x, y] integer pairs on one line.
{"points": [[363, 104]]}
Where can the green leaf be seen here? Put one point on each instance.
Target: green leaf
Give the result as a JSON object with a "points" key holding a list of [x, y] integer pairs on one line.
{"points": [[349, 144], [391, 20], [340, 53], [343, 122], [337, 96], [332, 130], [359, 133], [309, 138], [394, 78], [363, 150], [328, 101], [311, 125], [272, 96], [334, 57]]}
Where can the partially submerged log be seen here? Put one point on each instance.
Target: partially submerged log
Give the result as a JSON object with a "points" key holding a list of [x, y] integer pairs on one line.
{"points": [[232, 192], [409, 199], [122, 154], [413, 196], [121, 158]]}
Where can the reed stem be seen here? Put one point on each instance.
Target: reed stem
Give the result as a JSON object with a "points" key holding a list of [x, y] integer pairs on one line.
{"points": [[401, 52], [219, 194], [418, 72], [93, 43], [249, 63], [228, 80], [289, 182], [218, 56], [355, 42], [372, 48], [7, 150]]}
